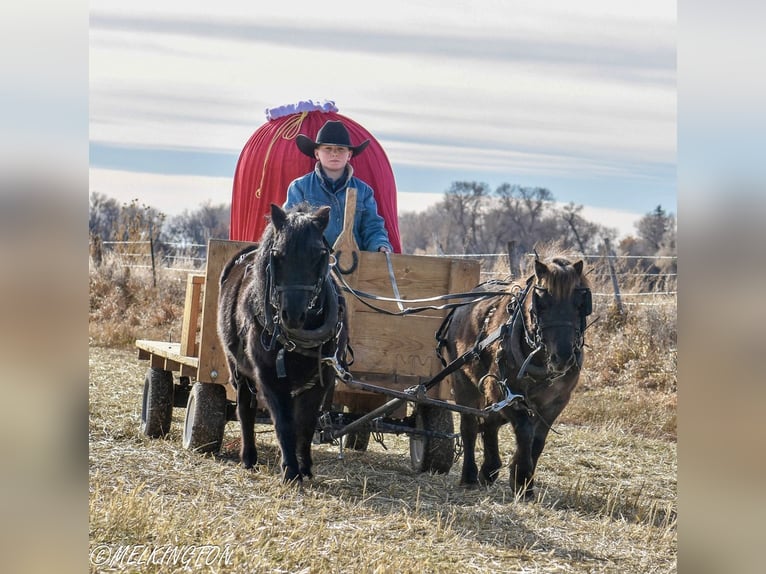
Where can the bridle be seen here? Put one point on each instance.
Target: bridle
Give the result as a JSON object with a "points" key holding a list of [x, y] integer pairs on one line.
{"points": [[323, 300], [535, 339], [275, 290]]}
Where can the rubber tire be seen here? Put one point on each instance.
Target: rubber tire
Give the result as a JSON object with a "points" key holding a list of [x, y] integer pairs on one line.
{"points": [[157, 403], [205, 419], [356, 440], [432, 454]]}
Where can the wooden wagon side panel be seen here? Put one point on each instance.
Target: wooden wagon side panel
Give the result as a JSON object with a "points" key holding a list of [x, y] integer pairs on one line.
{"points": [[397, 346], [403, 347], [212, 361], [191, 326]]}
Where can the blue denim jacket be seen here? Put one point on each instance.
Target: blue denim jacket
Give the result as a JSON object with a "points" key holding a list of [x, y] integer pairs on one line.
{"points": [[369, 227]]}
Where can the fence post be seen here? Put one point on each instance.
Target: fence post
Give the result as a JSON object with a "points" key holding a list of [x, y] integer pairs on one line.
{"points": [[609, 256], [512, 259], [151, 251], [96, 250]]}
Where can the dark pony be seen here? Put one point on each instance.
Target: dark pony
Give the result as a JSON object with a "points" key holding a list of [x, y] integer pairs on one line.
{"points": [[527, 376], [279, 315]]}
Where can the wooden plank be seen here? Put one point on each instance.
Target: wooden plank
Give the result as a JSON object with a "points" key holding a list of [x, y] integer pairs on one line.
{"points": [[404, 345], [159, 352], [400, 351], [345, 249], [212, 361], [394, 346], [191, 319], [187, 371], [171, 365], [417, 276], [464, 275], [345, 245]]}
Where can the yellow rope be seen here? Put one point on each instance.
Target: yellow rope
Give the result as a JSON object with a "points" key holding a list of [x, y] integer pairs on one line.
{"points": [[288, 131]]}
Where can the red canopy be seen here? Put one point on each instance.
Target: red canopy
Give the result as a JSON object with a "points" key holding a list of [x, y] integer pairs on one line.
{"points": [[270, 161]]}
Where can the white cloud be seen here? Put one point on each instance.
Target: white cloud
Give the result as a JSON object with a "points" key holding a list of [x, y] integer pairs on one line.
{"points": [[557, 89], [623, 221], [170, 194]]}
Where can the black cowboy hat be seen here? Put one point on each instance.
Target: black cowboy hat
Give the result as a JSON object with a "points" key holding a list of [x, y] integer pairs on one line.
{"points": [[331, 133]]}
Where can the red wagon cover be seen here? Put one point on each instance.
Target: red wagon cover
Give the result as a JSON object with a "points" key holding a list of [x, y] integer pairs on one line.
{"points": [[270, 160]]}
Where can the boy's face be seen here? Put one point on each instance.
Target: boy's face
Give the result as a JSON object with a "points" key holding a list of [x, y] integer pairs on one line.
{"points": [[333, 157]]}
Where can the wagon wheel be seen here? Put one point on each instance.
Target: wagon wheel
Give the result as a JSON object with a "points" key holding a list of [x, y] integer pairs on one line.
{"points": [[432, 454], [157, 403], [356, 440], [359, 440], [205, 418]]}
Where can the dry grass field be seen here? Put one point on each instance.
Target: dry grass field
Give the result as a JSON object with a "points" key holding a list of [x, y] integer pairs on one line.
{"points": [[607, 492]]}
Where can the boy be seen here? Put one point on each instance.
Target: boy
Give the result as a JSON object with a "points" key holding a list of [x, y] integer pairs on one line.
{"points": [[327, 185]]}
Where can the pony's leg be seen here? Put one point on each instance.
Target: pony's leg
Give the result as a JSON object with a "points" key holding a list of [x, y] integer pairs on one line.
{"points": [[280, 406], [306, 415], [246, 414], [490, 468], [466, 394], [538, 443], [469, 428], [522, 465]]}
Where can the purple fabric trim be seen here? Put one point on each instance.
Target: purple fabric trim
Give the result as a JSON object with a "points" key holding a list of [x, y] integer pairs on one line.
{"points": [[302, 106]]}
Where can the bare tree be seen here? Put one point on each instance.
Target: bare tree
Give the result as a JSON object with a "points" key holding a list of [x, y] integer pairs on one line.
{"points": [[525, 209], [471, 219], [103, 216], [581, 233], [198, 226], [463, 204], [657, 229]]}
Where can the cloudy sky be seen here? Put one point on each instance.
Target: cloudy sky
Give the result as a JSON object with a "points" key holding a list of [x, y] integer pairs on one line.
{"points": [[576, 97]]}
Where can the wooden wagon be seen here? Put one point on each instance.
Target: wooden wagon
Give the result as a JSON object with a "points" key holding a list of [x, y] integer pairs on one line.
{"points": [[392, 354]]}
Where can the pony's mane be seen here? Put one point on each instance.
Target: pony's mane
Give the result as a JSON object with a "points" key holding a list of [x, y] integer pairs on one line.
{"points": [[561, 278], [294, 215], [298, 221]]}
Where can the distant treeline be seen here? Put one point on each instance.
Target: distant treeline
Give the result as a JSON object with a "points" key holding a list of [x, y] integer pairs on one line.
{"points": [[471, 218]]}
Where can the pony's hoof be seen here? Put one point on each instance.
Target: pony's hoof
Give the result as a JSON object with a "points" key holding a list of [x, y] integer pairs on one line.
{"points": [[469, 485], [293, 478], [524, 491], [526, 495], [488, 479], [249, 460]]}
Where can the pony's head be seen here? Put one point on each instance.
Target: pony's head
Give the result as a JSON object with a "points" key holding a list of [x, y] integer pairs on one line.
{"points": [[298, 265], [555, 308]]}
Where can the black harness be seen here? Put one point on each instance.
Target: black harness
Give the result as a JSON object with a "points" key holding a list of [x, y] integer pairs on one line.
{"points": [[276, 336], [534, 340]]}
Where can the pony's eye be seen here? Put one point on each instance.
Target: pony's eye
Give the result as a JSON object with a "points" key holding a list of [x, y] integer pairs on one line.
{"points": [[542, 300], [584, 301]]}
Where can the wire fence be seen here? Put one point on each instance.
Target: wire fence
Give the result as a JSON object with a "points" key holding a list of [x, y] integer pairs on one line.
{"points": [[176, 257], [631, 280]]}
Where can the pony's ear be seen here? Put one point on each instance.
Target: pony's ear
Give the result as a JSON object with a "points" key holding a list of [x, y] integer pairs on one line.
{"points": [[578, 266], [541, 269], [322, 217], [278, 216]]}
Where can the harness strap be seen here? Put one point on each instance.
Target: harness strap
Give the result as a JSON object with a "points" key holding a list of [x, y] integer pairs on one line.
{"points": [[475, 297], [392, 277]]}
